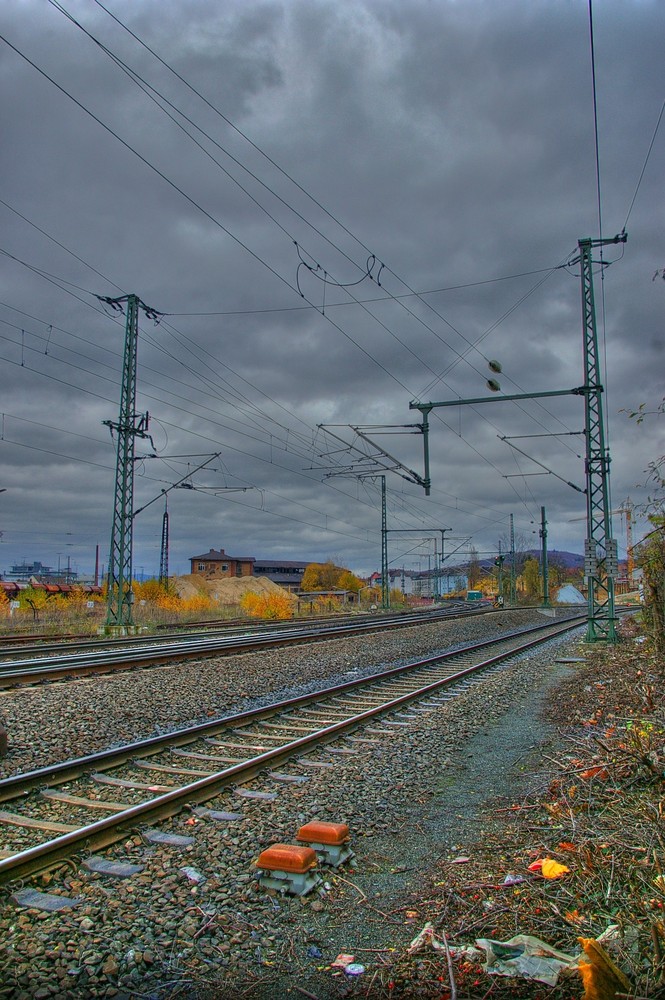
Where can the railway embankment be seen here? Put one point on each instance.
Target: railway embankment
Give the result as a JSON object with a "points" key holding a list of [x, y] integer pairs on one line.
{"points": [[546, 759]]}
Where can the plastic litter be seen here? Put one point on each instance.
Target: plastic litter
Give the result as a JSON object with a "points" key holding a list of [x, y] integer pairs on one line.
{"points": [[525, 957], [342, 961], [193, 875], [601, 977], [426, 938], [354, 969]]}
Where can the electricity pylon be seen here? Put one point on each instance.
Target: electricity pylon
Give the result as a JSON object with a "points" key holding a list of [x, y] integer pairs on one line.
{"points": [[600, 549], [164, 552], [130, 425]]}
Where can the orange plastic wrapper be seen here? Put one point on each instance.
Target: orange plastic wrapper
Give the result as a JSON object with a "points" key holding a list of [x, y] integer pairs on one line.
{"points": [[602, 979]]}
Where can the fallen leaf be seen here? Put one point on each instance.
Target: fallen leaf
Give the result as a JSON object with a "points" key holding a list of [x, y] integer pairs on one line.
{"points": [[595, 772], [552, 869]]}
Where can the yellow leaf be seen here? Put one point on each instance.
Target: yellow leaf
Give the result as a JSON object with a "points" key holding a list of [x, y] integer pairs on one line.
{"points": [[552, 869]]}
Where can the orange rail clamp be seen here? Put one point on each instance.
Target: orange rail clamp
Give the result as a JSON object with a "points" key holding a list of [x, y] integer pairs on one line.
{"points": [[329, 840], [289, 868]]}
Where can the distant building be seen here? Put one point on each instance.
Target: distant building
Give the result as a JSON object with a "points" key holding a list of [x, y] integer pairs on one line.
{"points": [[37, 572], [285, 572], [218, 563], [24, 570], [288, 573], [423, 584]]}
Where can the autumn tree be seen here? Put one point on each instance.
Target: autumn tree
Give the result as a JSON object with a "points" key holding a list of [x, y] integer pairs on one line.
{"points": [[655, 470], [557, 570], [271, 605], [531, 579], [147, 590], [326, 576], [651, 559], [651, 551], [473, 571], [349, 581]]}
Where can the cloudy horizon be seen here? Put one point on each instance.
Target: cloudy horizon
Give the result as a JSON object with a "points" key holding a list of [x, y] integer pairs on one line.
{"points": [[336, 210]]}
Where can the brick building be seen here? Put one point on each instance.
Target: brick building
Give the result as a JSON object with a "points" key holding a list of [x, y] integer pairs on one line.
{"points": [[217, 563]]}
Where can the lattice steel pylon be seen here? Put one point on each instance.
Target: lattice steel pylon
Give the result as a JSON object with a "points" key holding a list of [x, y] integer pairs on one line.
{"points": [[164, 552], [130, 425], [600, 548], [385, 578]]}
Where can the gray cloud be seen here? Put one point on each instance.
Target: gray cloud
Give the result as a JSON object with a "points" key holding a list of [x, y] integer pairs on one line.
{"points": [[452, 141]]}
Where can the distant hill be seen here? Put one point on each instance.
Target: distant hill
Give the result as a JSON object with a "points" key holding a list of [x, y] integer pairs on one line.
{"points": [[571, 560]]}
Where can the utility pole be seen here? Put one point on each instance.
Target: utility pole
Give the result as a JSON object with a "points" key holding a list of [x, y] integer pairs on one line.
{"points": [[543, 537], [630, 557], [385, 582], [498, 562], [513, 582], [436, 572], [130, 426], [164, 552], [600, 549]]}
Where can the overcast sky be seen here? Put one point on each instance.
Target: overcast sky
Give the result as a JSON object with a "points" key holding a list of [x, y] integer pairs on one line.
{"points": [[340, 208]]}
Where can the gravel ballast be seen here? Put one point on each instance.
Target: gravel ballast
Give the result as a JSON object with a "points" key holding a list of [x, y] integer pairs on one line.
{"points": [[194, 922]]}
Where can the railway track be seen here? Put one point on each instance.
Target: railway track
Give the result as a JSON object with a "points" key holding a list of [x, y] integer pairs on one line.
{"points": [[48, 662], [53, 813], [31, 642]]}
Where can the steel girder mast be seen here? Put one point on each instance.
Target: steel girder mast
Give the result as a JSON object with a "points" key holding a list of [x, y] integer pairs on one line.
{"points": [[600, 556], [130, 425], [600, 548], [164, 552]]}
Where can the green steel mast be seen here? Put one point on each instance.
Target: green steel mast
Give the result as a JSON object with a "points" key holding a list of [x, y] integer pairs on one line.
{"points": [[600, 549], [130, 425], [385, 582]]}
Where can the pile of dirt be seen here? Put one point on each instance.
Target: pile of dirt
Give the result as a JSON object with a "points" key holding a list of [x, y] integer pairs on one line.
{"points": [[225, 590]]}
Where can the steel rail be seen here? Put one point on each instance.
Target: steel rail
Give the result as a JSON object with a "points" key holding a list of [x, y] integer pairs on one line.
{"points": [[171, 630], [130, 656], [104, 832], [232, 630], [67, 770]]}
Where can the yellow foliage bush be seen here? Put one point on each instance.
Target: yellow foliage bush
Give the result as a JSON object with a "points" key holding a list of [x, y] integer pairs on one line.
{"points": [[272, 606], [168, 602], [199, 602], [147, 590]]}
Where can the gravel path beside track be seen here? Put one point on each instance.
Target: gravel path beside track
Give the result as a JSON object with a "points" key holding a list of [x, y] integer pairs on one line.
{"points": [[410, 799]]}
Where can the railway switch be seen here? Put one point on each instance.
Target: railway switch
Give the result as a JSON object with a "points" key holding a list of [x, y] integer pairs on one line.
{"points": [[329, 840], [289, 868]]}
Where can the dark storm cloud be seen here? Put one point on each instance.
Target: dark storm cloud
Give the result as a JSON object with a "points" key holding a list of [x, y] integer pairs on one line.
{"points": [[452, 141]]}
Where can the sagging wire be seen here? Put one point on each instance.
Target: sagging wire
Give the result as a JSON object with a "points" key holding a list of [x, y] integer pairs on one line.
{"points": [[317, 271]]}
